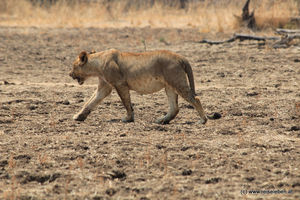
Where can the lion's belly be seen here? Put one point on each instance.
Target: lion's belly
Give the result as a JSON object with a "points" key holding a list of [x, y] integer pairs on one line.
{"points": [[147, 85]]}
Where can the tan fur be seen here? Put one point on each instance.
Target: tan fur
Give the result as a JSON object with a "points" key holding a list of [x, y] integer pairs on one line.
{"points": [[144, 73]]}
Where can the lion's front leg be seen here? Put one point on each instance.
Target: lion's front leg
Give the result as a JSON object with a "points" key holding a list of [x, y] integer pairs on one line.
{"points": [[123, 92], [84, 112], [103, 91]]}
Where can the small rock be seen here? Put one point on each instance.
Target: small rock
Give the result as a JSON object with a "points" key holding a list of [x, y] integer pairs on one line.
{"points": [[235, 166], [187, 172], [57, 189], [297, 184], [296, 60], [85, 148], [215, 116], [144, 198], [66, 102], [213, 180], [249, 179], [227, 132], [32, 107], [118, 174], [221, 74], [280, 184], [295, 128], [98, 198], [236, 113], [22, 156], [6, 121], [184, 148], [277, 85], [123, 135], [3, 163], [251, 94], [5, 108], [159, 146], [136, 190], [110, 191], [6, 83], [285, 150]]}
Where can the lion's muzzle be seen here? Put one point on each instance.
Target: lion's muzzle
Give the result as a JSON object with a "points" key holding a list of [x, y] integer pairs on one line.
{"points": [[80, 80], [72, 75]]}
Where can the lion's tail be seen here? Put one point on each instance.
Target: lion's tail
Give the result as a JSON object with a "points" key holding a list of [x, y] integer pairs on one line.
{"points": [[189, 72]]}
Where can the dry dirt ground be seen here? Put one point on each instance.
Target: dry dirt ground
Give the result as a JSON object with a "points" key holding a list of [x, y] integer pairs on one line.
{"points": [[44, 154]]}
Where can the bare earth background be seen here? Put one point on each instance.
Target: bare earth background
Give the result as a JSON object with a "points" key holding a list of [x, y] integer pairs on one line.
{"points": [[44, 154]]}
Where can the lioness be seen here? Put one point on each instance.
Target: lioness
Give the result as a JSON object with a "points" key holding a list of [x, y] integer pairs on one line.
{"points": [[144, 73]]}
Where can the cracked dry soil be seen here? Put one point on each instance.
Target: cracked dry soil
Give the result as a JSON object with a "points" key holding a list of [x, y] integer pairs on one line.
{"points": [[44, 154]]}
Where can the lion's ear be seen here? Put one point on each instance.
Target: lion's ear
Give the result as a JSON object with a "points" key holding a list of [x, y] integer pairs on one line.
{"points": [[93, 51], [83, 57]]}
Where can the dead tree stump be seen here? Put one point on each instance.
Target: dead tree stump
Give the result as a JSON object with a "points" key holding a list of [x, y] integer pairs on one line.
{"points": [[248, 18]]}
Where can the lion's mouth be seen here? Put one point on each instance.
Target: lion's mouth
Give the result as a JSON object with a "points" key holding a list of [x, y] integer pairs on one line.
{"points": [[78, 78], [80, 81]]}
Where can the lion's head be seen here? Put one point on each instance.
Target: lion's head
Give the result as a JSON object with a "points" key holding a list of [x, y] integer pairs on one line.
{"points": [[78, 70]]}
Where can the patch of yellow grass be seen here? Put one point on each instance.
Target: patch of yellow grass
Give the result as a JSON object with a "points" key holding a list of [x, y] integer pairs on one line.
{"points": [[205, 15], [275, 14]]}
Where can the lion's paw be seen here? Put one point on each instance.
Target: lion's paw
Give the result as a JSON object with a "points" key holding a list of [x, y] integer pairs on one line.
{"points": [[162, 120], [79, 117], [203, 121], [127, 119]]}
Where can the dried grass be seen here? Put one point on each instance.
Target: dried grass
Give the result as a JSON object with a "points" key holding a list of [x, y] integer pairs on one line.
{"points": [[278, 14], [205, 15]]}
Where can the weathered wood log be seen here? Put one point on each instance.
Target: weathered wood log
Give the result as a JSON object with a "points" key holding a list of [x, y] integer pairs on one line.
{"points": [[286, 41], [281, 42], [287, 35], [240, 37], [287, 31]]}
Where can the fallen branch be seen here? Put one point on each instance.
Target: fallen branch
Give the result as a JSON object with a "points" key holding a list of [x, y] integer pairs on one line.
{"points": [[281, 42], [286, 41], [287, 31], [240, 37], [287, 35]]}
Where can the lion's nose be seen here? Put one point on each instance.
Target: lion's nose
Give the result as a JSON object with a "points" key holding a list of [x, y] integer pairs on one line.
{"points": [[71, 74]]}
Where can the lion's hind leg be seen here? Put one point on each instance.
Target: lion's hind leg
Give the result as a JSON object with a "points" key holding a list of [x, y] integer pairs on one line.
{"points": [[173, 107], [197, 105], [195, 101], [181, 86]]}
